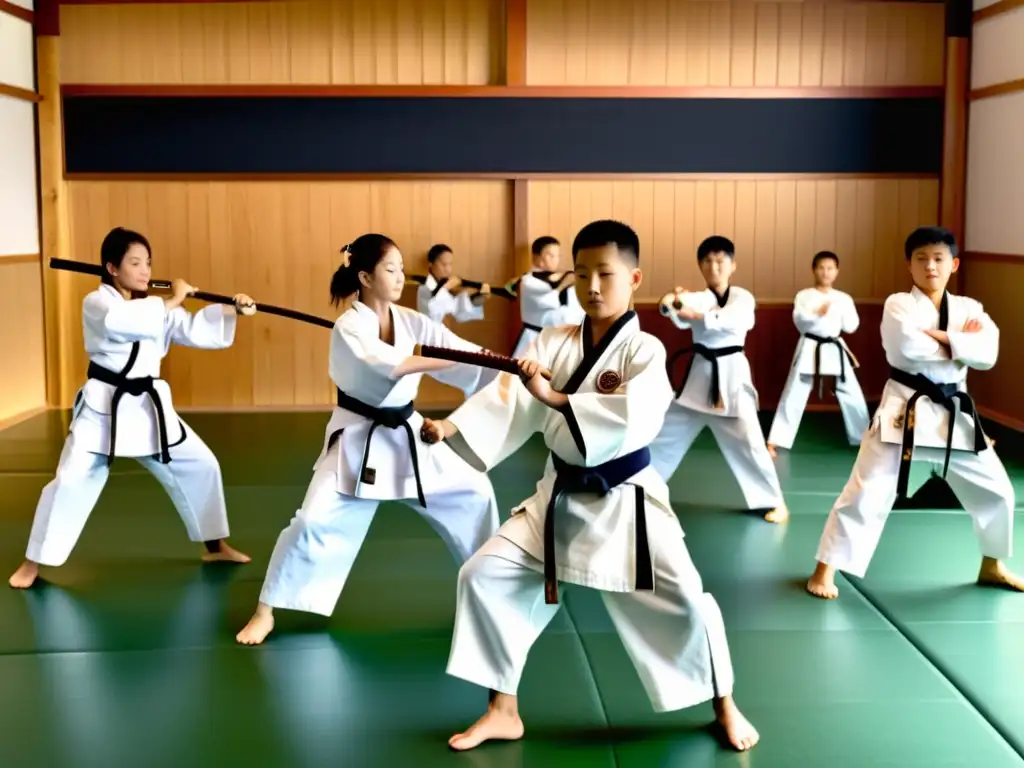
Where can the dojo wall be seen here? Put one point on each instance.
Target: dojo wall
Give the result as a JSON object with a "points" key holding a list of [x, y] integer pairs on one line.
{"points": [[275, 233], [23, 373], [994, 263]]}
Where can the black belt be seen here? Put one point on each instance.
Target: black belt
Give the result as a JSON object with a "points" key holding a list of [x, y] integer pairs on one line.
{"points": [[946, 395], [526, 327], [598, 480], [708, 353], [843, 354], [123, 385], [392, 418]]}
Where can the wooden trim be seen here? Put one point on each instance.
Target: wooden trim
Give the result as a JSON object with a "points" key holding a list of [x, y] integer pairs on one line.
{"points": [[17, 12], [996, 9], [1001, 418], [164, 2], [953, 180], [17, 418], [999, 89], [20, 258], [19, 93], [986, 257], [504, 176], [501, 91], [515, 42]]}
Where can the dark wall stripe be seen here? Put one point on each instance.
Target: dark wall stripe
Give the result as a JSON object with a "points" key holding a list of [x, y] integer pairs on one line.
{"points": [[441, 135]]}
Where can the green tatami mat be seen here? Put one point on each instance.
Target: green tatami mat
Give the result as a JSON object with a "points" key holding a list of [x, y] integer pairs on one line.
{"points": [[922, 577], [127, 656]]}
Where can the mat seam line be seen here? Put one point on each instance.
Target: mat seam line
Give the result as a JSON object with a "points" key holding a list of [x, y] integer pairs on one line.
{"points": [[593, 675], [907, 634]]}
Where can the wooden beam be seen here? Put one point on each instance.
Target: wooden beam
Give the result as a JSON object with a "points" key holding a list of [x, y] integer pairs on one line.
{"points": [[504, 91], [515, 42], [20, 258], [385, 176], [998, 89], [953, 186], [996, 9], [17, 11], [19, 93]]}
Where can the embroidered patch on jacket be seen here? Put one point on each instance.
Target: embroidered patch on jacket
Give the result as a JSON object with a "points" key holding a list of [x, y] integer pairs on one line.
{"points": [[608, 382]]}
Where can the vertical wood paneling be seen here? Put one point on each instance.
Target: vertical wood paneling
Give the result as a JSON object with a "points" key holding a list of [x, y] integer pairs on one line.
{"points": [[23, 374], [279, 243], [734, 43], [344, 42], [777, 224]]}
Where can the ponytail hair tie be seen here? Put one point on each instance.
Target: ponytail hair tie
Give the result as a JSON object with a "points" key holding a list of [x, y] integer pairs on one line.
{"points": [[346, 254]]}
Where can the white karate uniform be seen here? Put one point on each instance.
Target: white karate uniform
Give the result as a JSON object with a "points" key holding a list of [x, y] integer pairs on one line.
{"points": [[674, 634], [541, 306], [979, 479], [438, 302], [111, 327], [734, 424], [354, 473], [835, 359]]}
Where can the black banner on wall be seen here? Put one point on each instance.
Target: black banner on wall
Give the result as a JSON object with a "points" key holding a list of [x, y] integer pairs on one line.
{"points": [[381, 135]]}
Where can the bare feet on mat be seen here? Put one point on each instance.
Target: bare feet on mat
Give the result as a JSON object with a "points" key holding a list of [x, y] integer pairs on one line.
{"points": [[501, 722], [778, 515], [25, 576], [738, 730], [226, 554], [994, 574], [259, 626], [772, 452], [823, 582]]}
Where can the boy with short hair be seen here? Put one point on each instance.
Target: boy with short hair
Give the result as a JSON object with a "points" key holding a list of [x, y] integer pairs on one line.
{"points": [[546, 296], [821, 314], [601, 515], [717, 391], [443, 294], [931, 338]]}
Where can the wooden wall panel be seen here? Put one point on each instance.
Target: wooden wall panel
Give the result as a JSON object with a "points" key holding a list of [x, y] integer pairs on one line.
{"points": [[742, 44], [23, 374], [777, 224], [279, 242], [995, 282], [343, 42]]}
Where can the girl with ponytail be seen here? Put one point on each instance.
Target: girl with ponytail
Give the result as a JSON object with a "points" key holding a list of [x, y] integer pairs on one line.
{"points": [[371, 450]]}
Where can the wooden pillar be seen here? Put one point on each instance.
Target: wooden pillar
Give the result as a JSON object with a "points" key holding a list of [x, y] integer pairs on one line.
{"points": [[953, 183], [515, 75], [56, 238]]}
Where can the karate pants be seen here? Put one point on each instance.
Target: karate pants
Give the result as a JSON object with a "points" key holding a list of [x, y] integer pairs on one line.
{"points": [[794, 401], [674, 635], [856, 521], [315, 553], [192, 480], [741, 441]]}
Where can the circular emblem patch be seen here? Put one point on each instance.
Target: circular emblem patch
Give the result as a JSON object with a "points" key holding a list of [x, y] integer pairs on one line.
{"points": [[608, 382]]}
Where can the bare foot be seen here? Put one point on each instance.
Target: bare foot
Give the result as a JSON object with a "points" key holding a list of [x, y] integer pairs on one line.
{"points": [[25, 576], [259, 626], [738, 730], [778, 515], [772, 452], [500, 722], [226, 554], [823, 582], [994, 574]]}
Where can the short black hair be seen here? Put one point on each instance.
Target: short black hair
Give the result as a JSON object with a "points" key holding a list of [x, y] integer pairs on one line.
{"points": [[924, 236], [821, 256], [598, 234], [541, 243], [716, 244], [437, 251]]}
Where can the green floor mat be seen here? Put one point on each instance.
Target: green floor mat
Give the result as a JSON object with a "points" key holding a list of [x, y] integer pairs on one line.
{"points": [[922, 579]]}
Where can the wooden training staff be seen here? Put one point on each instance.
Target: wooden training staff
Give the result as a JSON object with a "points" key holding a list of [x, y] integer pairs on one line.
{"points": [[482, 359], [503, 292], [213, 298]]}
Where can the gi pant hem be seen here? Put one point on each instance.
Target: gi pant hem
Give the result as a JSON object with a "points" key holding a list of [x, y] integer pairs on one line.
{"points": [[484, 678], [292, 604]]}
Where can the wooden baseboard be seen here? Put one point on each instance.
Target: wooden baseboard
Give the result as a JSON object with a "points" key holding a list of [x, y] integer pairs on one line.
{"points": [[1002, 419], [10, 421]]}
